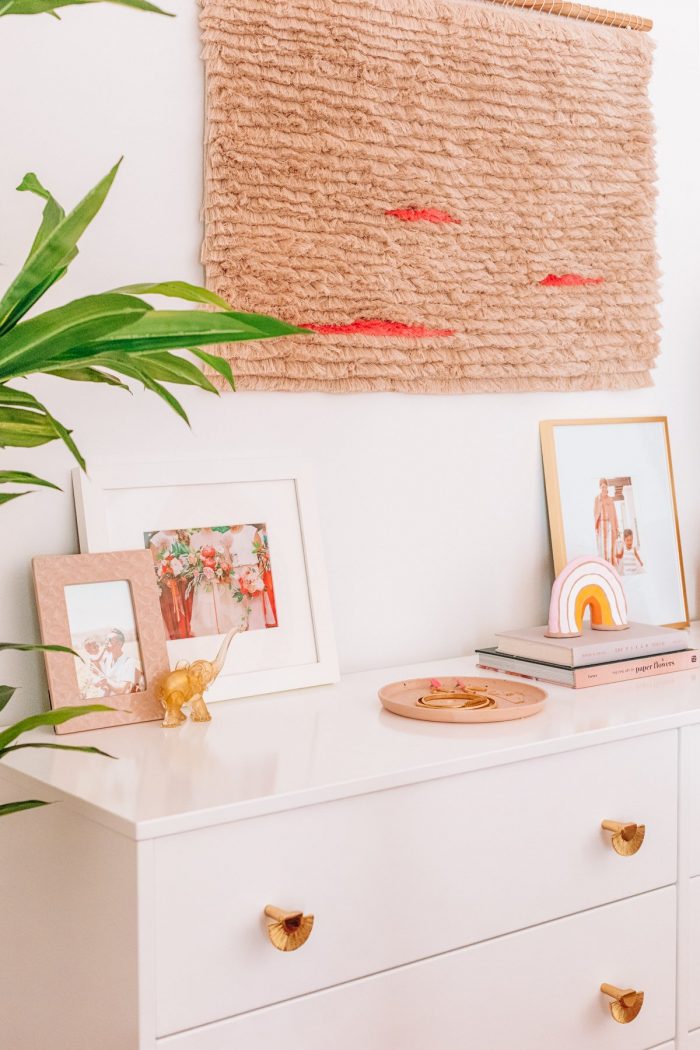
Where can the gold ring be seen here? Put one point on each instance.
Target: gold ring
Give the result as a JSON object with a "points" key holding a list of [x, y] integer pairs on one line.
{"points": [[441, 699], [456, 701]]}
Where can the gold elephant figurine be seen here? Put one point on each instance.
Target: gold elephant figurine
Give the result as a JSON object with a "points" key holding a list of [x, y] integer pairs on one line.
{"points": [[187, 684]]}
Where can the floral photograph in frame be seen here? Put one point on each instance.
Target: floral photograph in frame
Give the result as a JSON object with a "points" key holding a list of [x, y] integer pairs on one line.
{"points": [[234, 544], [105, 608], [610, 493], [214, 579]]}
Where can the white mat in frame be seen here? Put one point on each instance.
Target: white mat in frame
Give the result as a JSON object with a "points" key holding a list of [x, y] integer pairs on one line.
{"points": [[118, 505]]}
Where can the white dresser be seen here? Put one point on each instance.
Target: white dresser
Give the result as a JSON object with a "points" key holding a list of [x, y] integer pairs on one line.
{"points": [[465, 895]]}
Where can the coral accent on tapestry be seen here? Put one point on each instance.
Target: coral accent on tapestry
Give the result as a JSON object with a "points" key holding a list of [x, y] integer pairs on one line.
{"points": [[531, 134], [422, 215], [371, 326], [568, 280]]}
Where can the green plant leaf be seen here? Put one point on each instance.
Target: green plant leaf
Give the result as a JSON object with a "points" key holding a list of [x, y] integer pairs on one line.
{"points": [[30, 423], [29, 647], [179, 330], [177, 290], [139, 367], [41, 7], [56, 251], [58, 747], [270, 327], [46, 718], [165, 395], [5, 497], [65, 436], [23, 477], [16, 807], [84, 374], [10, 396], [143, 374], [6, 694], [21, 428], [24, 304], [167, 368], [219, 364], [53, 212], [32, 345]]}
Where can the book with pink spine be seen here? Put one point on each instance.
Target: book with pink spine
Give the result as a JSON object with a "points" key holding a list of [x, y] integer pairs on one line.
{"points": [[606, 673]]}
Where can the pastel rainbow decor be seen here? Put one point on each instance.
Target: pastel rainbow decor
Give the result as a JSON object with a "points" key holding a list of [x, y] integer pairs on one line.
{"points": [[587, 584]]}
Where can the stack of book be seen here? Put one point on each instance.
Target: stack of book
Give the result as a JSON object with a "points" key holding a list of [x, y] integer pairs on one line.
{"points": [[594, 658]]}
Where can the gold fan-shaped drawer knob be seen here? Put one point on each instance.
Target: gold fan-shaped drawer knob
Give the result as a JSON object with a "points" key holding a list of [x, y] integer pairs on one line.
{"points": [[625, 1002], [288, 930], [626, 838]]}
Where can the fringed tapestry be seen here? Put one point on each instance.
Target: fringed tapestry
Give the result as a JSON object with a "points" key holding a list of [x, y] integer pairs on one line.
{"points": [[451, 197]]}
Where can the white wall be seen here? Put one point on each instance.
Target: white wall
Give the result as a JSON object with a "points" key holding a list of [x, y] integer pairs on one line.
{"points": [[432, 507]]}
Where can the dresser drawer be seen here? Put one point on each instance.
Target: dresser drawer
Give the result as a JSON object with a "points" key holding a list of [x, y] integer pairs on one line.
{"points": [[693, 934], [540, 987], [404, 874], [690, 738]]}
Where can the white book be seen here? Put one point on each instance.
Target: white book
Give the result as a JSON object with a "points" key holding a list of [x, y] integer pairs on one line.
{"points": [[592, 647]]}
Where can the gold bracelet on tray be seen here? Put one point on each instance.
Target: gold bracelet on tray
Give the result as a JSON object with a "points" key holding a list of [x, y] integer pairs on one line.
{"points": [[456, 700]]}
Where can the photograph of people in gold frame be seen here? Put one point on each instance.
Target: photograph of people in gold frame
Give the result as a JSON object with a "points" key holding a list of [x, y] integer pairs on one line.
{"points": [[610, 493]]}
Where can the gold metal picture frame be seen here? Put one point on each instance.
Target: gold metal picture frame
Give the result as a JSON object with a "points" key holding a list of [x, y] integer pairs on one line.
{"points": [[561, 551]]}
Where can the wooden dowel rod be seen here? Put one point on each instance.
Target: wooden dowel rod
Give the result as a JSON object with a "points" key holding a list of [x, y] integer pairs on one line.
{"points": [[582, 12]]}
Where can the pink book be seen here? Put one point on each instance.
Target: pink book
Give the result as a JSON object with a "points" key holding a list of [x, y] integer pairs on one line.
{"points": [[598, 674], [625, 670], [592, 647]]}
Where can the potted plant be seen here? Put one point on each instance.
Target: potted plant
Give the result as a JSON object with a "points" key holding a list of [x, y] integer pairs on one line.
{"points": [[111, 337]]}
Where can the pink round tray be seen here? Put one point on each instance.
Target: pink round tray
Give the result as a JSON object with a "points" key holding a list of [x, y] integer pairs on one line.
{"points": [[512, 700]]}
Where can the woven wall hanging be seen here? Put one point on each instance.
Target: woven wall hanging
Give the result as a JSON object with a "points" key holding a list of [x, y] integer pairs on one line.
{"points": [[454, 197]]}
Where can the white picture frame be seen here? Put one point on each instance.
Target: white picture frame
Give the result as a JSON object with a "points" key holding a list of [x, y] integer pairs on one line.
{"points": [[119, 506]]}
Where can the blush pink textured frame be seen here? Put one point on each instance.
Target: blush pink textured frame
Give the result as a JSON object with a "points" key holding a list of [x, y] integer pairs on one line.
{"points": [[52, 574]]}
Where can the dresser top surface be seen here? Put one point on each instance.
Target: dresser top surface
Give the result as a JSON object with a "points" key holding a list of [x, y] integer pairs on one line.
{"points": [[268, 754]]}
